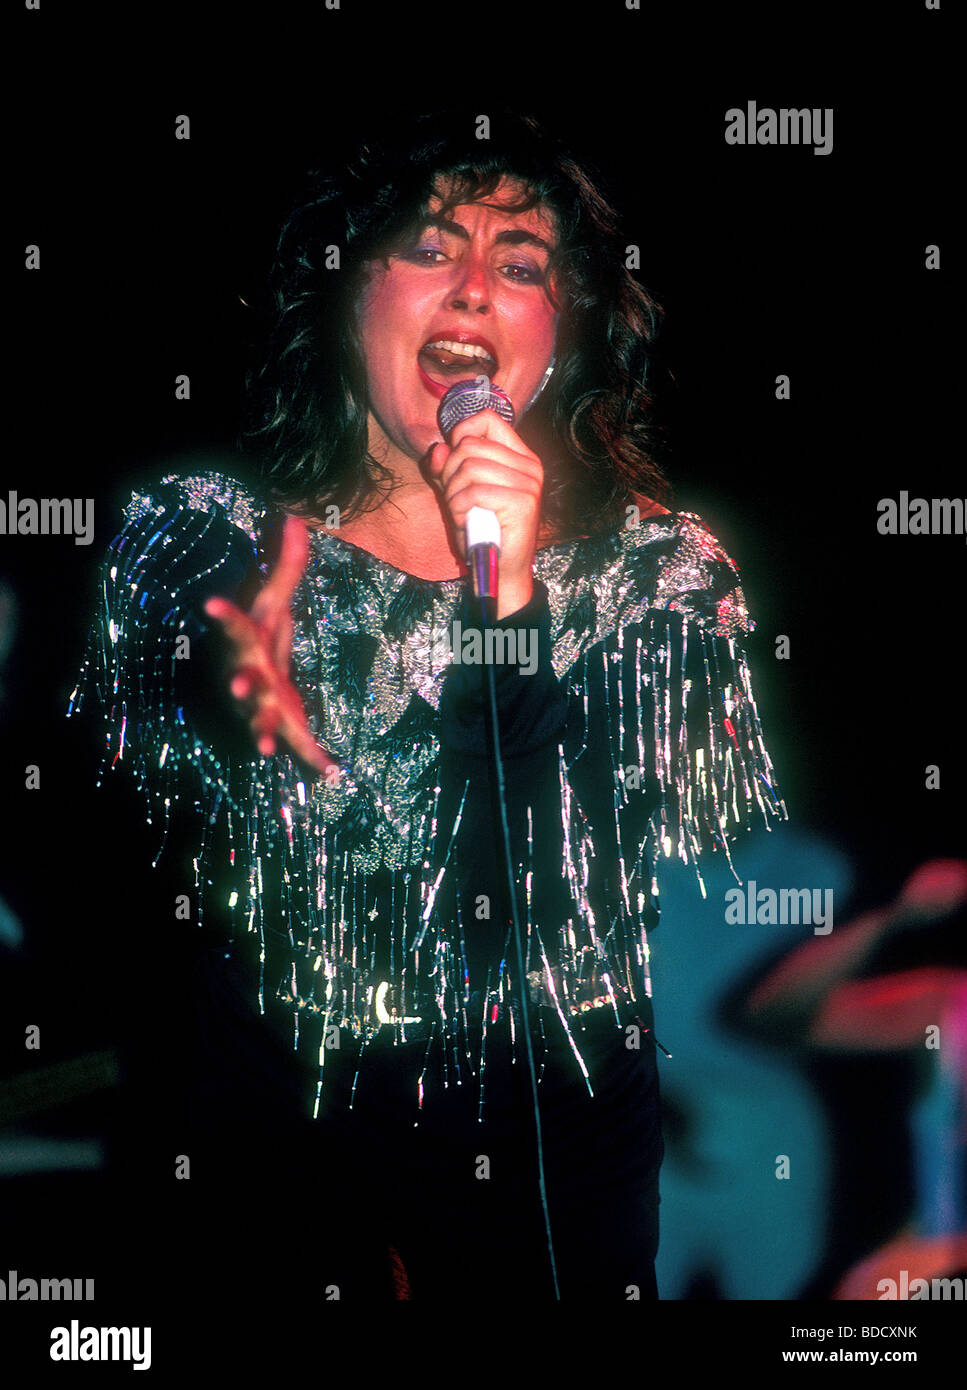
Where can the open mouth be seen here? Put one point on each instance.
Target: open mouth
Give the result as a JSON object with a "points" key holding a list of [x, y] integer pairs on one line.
{"points": [[445, 361]]}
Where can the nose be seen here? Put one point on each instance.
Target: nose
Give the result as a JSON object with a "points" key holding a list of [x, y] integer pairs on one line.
{"points": [[472, 288]]}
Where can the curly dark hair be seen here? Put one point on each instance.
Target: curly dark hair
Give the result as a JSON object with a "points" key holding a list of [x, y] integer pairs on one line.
{"points": [[308, 401]]}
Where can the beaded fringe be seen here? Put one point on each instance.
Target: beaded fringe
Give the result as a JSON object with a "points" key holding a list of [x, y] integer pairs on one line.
{"points": [[352, 952]]}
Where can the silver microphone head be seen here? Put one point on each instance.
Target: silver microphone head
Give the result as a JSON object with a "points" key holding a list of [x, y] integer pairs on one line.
{"points": [[466, 398]]}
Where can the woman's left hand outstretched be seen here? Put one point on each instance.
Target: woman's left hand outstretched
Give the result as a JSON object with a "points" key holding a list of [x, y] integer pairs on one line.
{"points": [[261, 642]]}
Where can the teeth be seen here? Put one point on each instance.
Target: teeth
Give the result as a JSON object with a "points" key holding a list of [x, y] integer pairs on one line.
{"points": [[461, 349]]}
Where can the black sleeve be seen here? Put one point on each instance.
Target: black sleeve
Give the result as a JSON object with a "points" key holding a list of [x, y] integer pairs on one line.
{"points": [[531, 706]]}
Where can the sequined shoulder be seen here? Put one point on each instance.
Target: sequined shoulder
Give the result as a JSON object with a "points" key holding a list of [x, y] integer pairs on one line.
{"points": [[671, 561], [203, 492], [700, 579]]}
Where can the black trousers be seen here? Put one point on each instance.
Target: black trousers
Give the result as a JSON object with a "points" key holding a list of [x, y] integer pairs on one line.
{"points": [[458, 1197], [313, 1208]]}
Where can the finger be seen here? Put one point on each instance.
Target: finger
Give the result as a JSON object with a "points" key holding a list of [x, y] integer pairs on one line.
{"points": [[282, 642], [298, 736], [238, 626], [436, 456], [489, 425], [487, 473], [246, 681], [434, 460], [478, 447], [267, 720], [273, 724], [509, 503], [282, 716], [290, 566]]}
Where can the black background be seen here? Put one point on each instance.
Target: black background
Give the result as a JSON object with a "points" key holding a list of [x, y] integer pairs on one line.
{"points": [[766, 260]]}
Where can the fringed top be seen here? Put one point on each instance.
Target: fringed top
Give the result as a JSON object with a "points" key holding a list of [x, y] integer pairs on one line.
{"points": [[346, 886]]}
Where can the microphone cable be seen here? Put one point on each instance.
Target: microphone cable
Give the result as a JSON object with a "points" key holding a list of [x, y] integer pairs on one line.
{"points": [[488, 612], [463, 400]]}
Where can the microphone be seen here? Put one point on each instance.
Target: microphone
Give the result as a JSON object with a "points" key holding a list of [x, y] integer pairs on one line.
{"points": [[466, 398]]}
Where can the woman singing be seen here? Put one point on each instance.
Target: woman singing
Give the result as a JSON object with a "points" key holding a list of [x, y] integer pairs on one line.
{"points": [[354, 832]]}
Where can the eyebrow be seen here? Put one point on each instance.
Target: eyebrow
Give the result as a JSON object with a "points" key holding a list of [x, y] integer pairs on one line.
{"points": [[513, 236]]}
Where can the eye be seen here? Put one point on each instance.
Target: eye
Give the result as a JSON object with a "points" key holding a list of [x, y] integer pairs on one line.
{"points": [[525, 274], [424, 255]]}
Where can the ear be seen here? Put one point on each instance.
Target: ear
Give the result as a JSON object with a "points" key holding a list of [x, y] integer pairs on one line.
{"points": [[646, 507], [548, 373]]}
